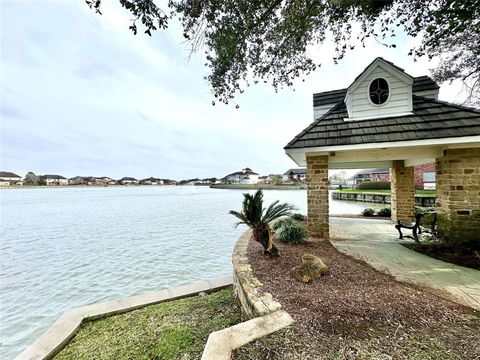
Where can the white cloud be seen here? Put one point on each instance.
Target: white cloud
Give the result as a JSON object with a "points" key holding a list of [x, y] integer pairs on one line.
{"points": [[96, 99]]}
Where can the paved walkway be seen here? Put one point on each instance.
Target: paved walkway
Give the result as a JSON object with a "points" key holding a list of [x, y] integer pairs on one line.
{"points": [[376, 242]]}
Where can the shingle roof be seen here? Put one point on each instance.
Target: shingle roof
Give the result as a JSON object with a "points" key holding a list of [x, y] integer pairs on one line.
{"points": [[56, 177], [329, 97], [431, 119], [240, 173], [421, 83], [8, 174], [296, 171]]}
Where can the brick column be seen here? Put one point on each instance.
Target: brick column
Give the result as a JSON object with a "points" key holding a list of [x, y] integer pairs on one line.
{"points": [[317, 195], [458, 193], [403, 191]]}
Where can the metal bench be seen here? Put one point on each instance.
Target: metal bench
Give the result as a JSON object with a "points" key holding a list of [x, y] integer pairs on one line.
{"points": [[414, 226]]}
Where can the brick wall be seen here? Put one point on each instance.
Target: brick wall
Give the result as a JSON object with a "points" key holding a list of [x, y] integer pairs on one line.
{"points": [[381, 177], [403, 191], [418, 173], [419, 170], [317, 195], [458, 192]]}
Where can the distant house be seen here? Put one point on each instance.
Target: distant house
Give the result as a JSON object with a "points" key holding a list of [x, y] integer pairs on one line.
{"points": [[246, 176], [425, 176], [77, 180], [270, 179], [169, 182], [337, 183], [295, 175], [54, 180], [378, 174], [151, 181], [128, 181], [91, 180], [212, 180], [105, 180], [263, 180], [8, 178]]}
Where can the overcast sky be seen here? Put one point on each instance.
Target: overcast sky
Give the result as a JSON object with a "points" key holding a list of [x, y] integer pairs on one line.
{"points": [[81, 95]]}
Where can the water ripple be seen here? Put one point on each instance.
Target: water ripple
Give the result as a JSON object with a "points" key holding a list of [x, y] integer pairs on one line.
{"points": [[62, 248]]}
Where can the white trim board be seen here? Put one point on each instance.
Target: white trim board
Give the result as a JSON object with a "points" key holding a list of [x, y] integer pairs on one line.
{"points": [[401, 150]]}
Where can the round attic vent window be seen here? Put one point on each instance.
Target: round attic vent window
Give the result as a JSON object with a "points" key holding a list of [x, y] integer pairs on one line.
{"points": [[378, 91]]}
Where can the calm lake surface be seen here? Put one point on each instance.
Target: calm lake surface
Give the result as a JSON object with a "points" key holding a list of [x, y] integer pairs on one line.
{"points": [[66, 247]]}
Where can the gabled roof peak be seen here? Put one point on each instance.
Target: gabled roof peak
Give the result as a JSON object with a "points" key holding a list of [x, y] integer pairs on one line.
{"points": [[388, 65]]}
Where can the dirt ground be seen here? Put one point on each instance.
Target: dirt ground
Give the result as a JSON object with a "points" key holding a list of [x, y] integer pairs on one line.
{"points": [[356, 312]]}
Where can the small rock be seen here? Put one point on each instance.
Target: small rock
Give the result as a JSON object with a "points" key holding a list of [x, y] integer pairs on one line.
{"points": [[311, 268], [202, 293]]}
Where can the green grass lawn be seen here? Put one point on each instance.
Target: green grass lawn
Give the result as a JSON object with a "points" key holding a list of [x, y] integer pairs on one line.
{"points": [[383, 192], [172, 330]]}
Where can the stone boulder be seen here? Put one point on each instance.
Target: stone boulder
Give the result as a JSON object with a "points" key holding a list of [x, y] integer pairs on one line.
{"points": [[311, 268]]}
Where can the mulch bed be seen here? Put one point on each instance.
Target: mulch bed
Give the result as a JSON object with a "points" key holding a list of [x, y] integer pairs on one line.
{"points": [[469, 259], [357, 312]]}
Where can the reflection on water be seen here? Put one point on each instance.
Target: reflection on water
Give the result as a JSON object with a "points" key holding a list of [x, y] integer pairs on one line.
{"points": [[62, 248]]}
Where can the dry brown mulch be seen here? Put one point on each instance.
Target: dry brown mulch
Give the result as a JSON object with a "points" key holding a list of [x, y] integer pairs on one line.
{"points": [[357, 312]]}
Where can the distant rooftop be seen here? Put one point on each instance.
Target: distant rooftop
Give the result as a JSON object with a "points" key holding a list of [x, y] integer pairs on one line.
{"points": [[299, 171], [8, 174], [246, 171], [56, 177]]}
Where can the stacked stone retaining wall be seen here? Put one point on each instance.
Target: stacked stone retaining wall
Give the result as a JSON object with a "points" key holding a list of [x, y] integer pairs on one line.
{"points": [[253, 300]]}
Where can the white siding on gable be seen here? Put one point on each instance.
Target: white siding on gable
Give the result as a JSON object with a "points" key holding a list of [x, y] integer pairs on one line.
{"points": [[320, 110], [399, 101]]}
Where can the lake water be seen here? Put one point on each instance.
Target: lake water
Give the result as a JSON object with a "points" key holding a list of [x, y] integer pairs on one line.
{"points": [[66, 247]]}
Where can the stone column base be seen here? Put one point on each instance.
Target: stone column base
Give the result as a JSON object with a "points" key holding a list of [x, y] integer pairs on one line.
{"points": [[317, 195]]}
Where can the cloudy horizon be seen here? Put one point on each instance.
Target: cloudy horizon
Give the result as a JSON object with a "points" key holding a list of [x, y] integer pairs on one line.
{"points": [[81, 95]]}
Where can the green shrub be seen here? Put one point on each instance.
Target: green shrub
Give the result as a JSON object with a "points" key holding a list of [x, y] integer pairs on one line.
{"points": [[285, 220], [385, 212], [424, 210], [456, 235], [374, 185], [292, 233], [298, 217], [368, 212], [427, 219]]}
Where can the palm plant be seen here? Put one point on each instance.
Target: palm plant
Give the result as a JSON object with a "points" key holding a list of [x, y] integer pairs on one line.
{"points": [[257, 218]]}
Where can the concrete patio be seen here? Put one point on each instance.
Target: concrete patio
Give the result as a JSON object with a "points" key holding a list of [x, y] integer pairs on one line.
{"points": [[376, 242]]}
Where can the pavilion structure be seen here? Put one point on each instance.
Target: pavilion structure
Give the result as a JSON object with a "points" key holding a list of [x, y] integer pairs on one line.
{"points": [[387, 118]]}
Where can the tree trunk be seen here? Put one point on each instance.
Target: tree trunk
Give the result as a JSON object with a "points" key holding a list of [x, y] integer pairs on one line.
{"points": [[263, 234]]}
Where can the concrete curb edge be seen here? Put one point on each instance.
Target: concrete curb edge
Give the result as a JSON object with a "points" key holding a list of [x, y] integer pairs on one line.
{"points": [[60, 333], [220, 344]]}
